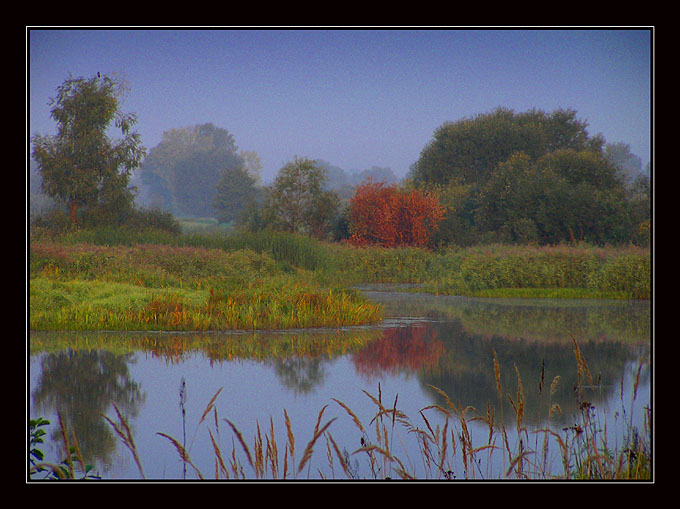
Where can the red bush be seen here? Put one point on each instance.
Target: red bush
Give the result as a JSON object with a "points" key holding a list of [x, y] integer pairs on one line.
{"points": [[391, 216]]}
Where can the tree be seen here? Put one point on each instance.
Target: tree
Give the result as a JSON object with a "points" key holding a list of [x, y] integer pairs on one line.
{"points": [[532, 176], [391, 216], [81, 166], [297, 199], [236, 192], [184, 169], [566, 195]]}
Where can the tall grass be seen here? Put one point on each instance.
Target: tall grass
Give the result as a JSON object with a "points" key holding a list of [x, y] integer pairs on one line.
{"points": [[562, 271], [554, 271], [171, 287], [273, 308]]}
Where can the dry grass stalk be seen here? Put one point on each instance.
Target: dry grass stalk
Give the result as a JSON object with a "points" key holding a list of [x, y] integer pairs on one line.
{"points": [[234, 463], [378, 403], [442, 452], [581, 364], [340, 456], [272, 450], [465, 439], [446, 397], [285, 461], [124, 433], [318, 419], [497, 373], [310, 446], [242, 442], [520, 400], [67, 447], [259, 453], [518, 462], [182, 452], [355, 419], [78, 454], [210, 406], [290, 436], [218, 459]]}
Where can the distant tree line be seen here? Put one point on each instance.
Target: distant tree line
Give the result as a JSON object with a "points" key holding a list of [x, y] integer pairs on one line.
{"points": [[496, 177]]}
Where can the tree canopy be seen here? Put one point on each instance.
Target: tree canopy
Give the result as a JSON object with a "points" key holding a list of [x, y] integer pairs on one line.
{"points": [[237, 192], [470, 149]]}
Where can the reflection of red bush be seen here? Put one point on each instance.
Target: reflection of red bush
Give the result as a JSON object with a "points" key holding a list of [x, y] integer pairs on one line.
{"points": [[400, 349]]}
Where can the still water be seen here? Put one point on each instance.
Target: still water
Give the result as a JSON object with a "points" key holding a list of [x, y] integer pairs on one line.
{"points": [[163, 383]]}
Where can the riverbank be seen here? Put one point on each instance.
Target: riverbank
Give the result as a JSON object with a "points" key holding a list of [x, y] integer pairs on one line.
{"points": [[126, 280]]}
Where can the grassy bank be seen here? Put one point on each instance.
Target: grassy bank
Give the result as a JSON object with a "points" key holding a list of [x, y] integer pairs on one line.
{"points": [[122, 279], [82, 286]]}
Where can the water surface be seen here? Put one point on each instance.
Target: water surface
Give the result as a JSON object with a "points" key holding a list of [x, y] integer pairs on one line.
{"points": [[425, 341]]}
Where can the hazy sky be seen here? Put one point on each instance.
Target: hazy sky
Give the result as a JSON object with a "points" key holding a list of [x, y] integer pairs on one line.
{"points": [[353, 97]]}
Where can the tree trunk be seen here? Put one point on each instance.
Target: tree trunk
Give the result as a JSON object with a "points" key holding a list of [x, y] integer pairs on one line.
{"points": [[74, 207]]}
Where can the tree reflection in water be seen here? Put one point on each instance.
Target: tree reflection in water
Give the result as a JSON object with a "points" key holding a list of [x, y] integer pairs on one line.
{"points": [[301, 374], [400, 350], [81, 385]]}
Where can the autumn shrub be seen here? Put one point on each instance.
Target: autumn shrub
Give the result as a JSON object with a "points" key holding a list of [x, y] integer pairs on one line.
{"points": [[392, 216]]}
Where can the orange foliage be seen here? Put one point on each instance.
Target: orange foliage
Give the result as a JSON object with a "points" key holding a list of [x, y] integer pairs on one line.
{"points": [[392, 217]]}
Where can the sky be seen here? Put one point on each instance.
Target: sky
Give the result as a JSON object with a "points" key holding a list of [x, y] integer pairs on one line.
{"points": [[354, 97]]}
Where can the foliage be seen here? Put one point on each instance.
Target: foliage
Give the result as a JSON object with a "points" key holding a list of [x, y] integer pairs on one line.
{"points": [[81, 166], [391, 216], [64, 470], [532, 177], [470, 149], [235, 192], [297, 202], [565, 195]]}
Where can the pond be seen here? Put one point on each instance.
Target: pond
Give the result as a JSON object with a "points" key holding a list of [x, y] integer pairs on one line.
{"points": [[430, 353]]}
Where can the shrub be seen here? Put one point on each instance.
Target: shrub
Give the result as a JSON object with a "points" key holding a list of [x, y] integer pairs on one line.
{"points": [[391, 217]]}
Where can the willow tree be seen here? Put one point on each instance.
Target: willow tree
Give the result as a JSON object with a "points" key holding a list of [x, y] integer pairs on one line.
{"points": [[80, 165]]}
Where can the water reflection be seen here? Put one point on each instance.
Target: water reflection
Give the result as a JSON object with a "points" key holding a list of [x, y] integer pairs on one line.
{"points": [[449, 343], [80, 385]]}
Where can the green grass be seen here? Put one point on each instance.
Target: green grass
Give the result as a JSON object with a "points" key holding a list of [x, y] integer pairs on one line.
{"points": [[81, 286]]}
